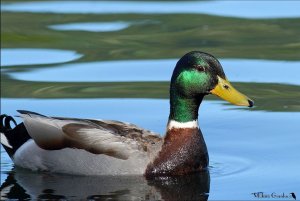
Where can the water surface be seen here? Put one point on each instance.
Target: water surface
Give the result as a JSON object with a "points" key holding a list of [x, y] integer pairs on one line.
{"points": [[92, 26], [34, 56], [33, 186], [250, 150], [246, 9], [267, 144], [237, 70]]}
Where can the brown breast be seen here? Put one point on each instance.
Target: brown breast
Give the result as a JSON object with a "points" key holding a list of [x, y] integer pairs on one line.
{"points": [[184, 151]]}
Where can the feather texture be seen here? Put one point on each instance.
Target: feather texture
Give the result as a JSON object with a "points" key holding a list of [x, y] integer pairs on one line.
{"points": [[113, 138], [57, 140]]}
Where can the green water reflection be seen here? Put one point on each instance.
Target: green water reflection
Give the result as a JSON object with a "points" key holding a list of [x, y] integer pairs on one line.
{"points": [[269, 97], [159, 36], [165, 36]]}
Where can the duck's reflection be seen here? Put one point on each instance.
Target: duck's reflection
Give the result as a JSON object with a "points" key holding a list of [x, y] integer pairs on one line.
{"points": [[25, 185]]}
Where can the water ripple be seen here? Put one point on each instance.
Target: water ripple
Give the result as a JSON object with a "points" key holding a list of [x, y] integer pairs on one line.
{"points": [[222, 165]]}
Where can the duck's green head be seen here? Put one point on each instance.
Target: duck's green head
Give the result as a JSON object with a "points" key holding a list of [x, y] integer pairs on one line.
{"points": [[197, 74]]}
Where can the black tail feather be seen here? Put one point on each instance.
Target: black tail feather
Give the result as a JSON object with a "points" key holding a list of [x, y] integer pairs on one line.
{"points": [[29, 113], [5, 121], [14, 137]]}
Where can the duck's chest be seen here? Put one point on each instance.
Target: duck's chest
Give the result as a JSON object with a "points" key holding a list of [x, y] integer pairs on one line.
{"points": [[184, 151]]}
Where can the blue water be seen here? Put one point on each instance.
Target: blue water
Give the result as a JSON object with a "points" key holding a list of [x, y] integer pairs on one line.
{"points": [[250, 151], [237, 70], [100, 26], [246, 9], [34, 56], [92, 26]]}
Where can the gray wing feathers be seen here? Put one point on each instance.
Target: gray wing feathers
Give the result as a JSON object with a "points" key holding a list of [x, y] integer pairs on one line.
{"points": [[113, 138]]}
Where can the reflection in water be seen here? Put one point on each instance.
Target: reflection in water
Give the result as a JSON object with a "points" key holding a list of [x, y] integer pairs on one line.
{"points": [[23, 184], [247, 9], [100, 26], [160, 70], [92, 26], [248, 150], [34, 56]]}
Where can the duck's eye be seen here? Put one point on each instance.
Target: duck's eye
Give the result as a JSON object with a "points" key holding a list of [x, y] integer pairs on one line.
{"points": [[226, 86], [199, 68]]}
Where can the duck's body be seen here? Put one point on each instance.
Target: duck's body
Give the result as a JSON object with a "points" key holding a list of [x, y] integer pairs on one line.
{"points": [[77, 161], [83, 146], [97, 147]]}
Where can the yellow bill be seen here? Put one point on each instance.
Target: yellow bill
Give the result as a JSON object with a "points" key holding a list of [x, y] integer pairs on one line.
{"points": [[226, 91]]}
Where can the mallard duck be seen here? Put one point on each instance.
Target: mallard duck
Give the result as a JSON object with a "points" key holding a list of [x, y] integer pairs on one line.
{"points": [[104, 147]]}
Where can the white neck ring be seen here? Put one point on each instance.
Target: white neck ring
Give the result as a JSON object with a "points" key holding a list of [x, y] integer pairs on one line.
{"points": [[176, 124]]}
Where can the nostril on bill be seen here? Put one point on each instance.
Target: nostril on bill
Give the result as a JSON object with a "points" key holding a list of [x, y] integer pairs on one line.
{"points": [[251, 103]]}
